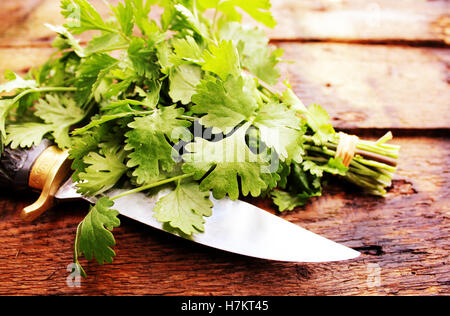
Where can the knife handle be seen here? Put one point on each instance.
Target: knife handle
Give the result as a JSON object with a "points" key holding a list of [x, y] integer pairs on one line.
{"points": [[41, 168]]}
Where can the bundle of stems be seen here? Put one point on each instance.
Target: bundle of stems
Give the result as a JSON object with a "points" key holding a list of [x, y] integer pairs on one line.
{"points": [[373, 166]]}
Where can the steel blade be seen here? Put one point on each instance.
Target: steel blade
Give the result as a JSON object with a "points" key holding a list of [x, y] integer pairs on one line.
{"points": [[245, 229], [236, 227]]}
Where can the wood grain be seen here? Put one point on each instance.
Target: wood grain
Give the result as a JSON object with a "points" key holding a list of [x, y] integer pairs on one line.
{"points": [[361, 86], [13, 12], [373, 86], [408, 21], [406, 235], [375, 20]]}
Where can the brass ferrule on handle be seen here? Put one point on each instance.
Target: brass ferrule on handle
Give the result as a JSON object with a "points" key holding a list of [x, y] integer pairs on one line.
{"points": [[46, 175]]}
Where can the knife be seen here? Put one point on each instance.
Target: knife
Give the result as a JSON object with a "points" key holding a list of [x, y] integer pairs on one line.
{"points": [[235, 226]]}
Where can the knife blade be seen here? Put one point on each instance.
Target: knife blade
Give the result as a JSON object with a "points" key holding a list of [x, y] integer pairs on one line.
{"points": [[235, 226]]}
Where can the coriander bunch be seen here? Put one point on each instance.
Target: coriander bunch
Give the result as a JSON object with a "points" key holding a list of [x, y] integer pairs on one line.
{"points": [[184, 101]]}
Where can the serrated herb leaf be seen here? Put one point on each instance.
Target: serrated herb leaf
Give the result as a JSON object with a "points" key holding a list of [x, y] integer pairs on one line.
{"points": [[319, 121], [227, 161], [280, 129], [66, 40], [90, 73], [149, 140], [16, 82], [288, 201], [104, 170], [223, 60], [26, 134], [184, 208], [81, 16], [60, 113], [224, 103], [183, 82], [255, 55], [94, 233]]}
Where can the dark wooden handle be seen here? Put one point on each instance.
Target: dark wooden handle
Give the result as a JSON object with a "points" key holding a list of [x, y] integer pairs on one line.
{"points": [[16, 164]]}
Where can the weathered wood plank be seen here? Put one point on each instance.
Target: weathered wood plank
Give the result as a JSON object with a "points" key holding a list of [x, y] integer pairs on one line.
{"points": [[361, 86], [21, 60], [373, 86], [13, 12], [377, 20], [404, 236]]}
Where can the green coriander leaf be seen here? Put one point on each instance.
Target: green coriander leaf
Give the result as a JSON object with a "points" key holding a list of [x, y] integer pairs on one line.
{"points": [[81, 16], [144, 59], [66, 40], [293, 101], [90, 73], [141, 15], [94, 234], [5, 106], [165, 55], [10, 75], [288, 201], [99, 120], [304, 182], [225, 104], [223, 60], [183, 82], [105, 42], [263, 64], [318, 119], [104, 170], [16, 82], [189, 20], [184, 208], [280, 129], [186, 49], [254, 52], [257, 9], [334, 166], [26, 134], [82, 145], [226, 162], [117, 107], [61, 113], [148, 140], [152, 95], [247, 38], [120, 88], [125, 16], [284, 172]]}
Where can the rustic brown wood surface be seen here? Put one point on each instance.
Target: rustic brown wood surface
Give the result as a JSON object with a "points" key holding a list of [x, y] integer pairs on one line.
{"points": [[404, 235], [404, 238], [411, 21]]}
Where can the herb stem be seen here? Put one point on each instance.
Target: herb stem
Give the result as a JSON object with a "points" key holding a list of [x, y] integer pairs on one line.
{"points": [[153, 185], [111, 49], [75, 253], [187, 117], [47, 89]]}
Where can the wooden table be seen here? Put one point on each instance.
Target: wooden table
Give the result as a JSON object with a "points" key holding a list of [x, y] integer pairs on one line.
{"points": [[376, 66]]}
